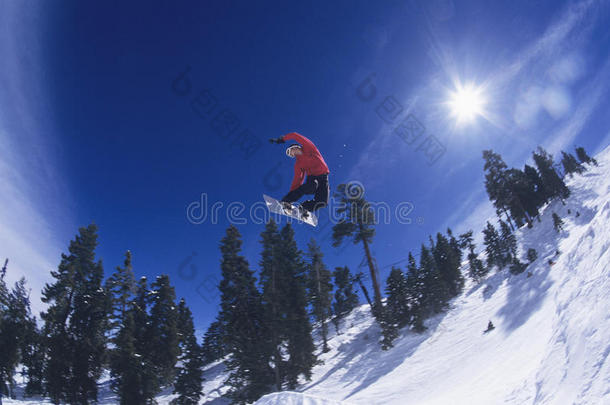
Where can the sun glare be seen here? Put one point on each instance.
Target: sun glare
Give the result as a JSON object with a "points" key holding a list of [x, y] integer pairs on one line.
{"points": [[466, 103]]}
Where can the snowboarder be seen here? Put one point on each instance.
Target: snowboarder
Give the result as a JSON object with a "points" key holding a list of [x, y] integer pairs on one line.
{"points": [[309, 162]]}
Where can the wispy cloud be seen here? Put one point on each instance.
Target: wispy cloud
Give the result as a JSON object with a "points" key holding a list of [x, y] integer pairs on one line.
{"points": [[594, 91], [564, 36], [33, 194], [554, 39], [603, 144], [26, 238]]}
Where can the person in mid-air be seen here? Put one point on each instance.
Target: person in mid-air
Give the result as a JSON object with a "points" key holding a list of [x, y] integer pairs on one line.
{"points": [[309, 162]]}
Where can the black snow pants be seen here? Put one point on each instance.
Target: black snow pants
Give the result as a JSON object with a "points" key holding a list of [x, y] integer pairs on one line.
{"points": [[316, 185]]}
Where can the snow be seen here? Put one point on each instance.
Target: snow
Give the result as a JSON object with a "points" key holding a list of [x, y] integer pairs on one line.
{"points": [[295, 398], [550, 345]]}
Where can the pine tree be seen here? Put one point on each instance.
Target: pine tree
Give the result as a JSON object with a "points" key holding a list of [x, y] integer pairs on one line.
{"points": [[495, 181], [553, 185], [520, 203], [357, 224], [508, 245], [508, 242], [396, 308], [212, 348], [164, 329], [583, 157], [274, 284], [32, 353], [2, 275], [242, 322], [358, 277], [345, 297], [9, 355], [190, 373], [146, 383], [121, 286], [3, 289], [557, 222], [447, 256], [570, 164], [456, 248], [300, 346], [435, 291], [15, 320], [75, 323], [398, 297], [127, 365], [30, 350], [136, 369], [493, 247], [536, 196], [476, 269], [415, 287], [532, 255], [319, 289]]}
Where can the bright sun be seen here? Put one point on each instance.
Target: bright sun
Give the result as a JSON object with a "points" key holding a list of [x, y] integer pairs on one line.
{"points": [[466, 103]]}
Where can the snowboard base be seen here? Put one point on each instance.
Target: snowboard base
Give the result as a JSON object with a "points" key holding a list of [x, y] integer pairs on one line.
{"points": [[276, 207]]}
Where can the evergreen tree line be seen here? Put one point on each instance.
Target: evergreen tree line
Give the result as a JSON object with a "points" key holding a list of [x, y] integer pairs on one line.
{"points": [[425, 289], [133, 329], [18, 335], [263, 332], [519, 194]]}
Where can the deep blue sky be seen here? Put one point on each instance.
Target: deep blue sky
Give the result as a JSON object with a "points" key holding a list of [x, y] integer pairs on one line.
{"points": [[94, 132]]}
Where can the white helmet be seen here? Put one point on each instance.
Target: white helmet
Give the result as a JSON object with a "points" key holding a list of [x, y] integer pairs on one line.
{"points": [[291, 147]]}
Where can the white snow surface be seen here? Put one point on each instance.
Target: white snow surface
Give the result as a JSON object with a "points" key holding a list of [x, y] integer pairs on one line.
{"points": [[551, 340], [295, 398], [550, 345]]}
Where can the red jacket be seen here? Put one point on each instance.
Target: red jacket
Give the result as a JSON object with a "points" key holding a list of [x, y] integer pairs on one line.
{"points": [[309, 163]]}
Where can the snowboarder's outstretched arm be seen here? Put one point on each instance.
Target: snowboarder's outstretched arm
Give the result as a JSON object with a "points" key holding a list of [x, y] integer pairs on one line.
{"points": [[309, 161], [307, 145]]}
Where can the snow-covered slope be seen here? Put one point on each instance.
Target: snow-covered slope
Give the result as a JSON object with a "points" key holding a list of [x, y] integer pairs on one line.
{"points": [[295, 398], [551, 340], [550, 345]]}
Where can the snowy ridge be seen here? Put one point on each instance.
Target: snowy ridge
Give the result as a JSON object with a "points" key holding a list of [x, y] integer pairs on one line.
{"points": [[295, 398], [550, 345]]}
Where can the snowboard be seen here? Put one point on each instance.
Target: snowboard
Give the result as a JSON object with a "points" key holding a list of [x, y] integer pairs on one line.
{"points": [[276, 207]]}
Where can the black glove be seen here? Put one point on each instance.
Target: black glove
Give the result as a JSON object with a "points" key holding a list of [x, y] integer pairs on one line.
{"points": [[277, 140]]}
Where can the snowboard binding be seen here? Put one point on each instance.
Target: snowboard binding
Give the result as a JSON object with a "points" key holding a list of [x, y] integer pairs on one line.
{"points": [[290, 209]]}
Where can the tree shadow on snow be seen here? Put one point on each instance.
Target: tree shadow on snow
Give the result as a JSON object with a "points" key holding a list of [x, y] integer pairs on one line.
{"points": [[490, 285], [364, 361], [527, 294], [525, 297]]}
